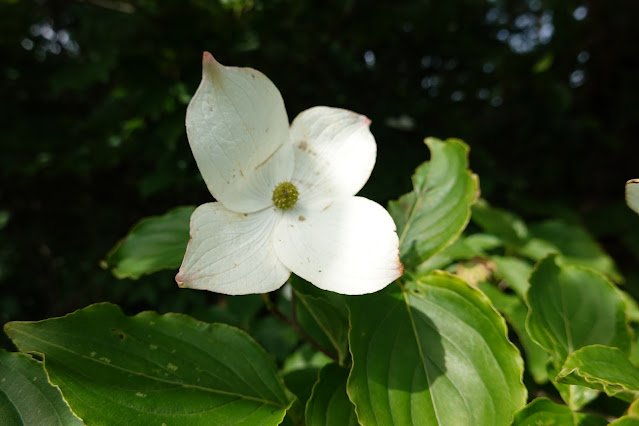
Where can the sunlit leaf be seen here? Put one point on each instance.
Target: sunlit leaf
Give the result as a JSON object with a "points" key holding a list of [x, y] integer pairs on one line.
{"points": [[573, 307], [435, 213], [435, 352], [575, 396], [154, 369], [603, 368], [544, 412], [155, 243], [515, 311]]}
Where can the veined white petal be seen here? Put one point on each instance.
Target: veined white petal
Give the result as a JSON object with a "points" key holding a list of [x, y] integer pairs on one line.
{"points": [[334, 153], [239, 134], [232, 253], [350, 247], [632, 194]]}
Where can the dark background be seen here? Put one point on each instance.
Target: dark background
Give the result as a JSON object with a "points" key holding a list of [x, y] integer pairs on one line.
{"points": [[93, 96]]}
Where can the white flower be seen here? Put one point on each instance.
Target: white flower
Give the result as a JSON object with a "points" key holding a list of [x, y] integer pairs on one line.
{"points": [[632, 194], [260, 230]]}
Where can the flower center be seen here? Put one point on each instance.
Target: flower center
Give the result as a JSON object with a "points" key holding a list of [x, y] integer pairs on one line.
{"points": [[285, 195]]}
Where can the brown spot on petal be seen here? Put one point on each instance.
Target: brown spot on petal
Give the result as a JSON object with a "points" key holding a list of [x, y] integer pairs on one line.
{"points": [[302, 145], [301, 218], [400, 269]]}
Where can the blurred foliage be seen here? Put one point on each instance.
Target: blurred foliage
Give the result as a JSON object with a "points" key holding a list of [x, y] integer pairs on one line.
{"points": [[94, 94]]}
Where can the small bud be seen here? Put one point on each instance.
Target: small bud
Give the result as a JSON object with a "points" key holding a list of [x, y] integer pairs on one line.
{"points": [[285, 195]]}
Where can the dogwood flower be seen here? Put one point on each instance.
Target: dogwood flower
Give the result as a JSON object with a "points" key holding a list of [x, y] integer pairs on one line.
{"points": [[285, 196], [632, 194]]}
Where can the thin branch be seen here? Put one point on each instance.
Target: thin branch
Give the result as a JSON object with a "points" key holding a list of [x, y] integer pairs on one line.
{"points": [[295, 325], [293, 307]]}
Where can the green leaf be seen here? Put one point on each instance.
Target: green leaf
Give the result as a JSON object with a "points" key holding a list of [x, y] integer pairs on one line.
{"points": [[514, 271], [631, 418], [572, 307], [155, 243], [433, 354], [153, 368], [305, 357], [301, 382], [435, 213], [462, 249], [329, 404], [575, 244], [515, 312], [625, 421], [301, 370], [27, 397], [576, 397], [544, 412], [602, 368], [632, 307], [506, 225], [323, 312]]}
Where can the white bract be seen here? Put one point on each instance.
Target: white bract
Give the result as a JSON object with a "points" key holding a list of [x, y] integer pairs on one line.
{"points": [[632, 194], [251, 239]]}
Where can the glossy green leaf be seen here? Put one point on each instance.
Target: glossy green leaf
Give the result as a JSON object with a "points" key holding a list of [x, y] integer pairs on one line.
{"points": [[329, 404], [27, 397], [323, 312], [544, 412], [572, 307], [435, 352], [515, 312], [155, 243], [603, 368], [435, 213], [575, 244], [575, 396], [154, 369]]}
